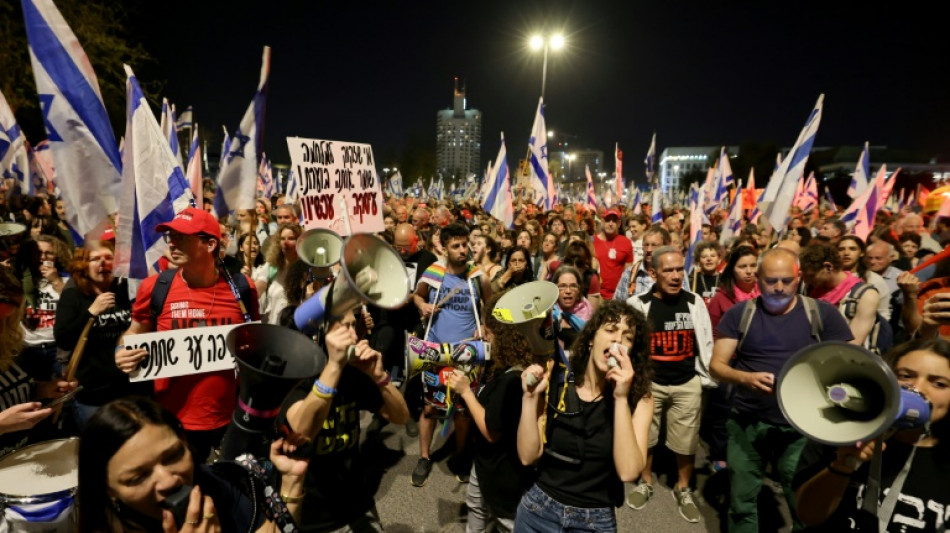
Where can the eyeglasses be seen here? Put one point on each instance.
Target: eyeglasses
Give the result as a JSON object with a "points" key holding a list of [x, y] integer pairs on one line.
{"points": [[568, 286]]}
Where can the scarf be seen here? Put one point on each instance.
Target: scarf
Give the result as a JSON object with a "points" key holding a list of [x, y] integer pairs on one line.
{"points": [[742, 296], [836, 294]]}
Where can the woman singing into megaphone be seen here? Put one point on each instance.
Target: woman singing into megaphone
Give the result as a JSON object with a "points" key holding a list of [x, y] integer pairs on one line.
{"points": [[915, 472], [586, 427]]}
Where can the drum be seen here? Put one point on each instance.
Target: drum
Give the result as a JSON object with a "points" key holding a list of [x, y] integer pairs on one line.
{"points": [[37, 487]]}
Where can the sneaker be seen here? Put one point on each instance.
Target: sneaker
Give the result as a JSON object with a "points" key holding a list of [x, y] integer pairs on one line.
{"points": [[686, 505], [421, 473], [640, 495], [412, 428]]}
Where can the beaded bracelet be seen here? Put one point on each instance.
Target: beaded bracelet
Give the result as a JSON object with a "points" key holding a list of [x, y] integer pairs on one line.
{"points": [[385, 381], [330, 391]]}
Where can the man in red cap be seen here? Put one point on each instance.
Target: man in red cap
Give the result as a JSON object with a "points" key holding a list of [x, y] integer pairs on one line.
{"points": [[198, 293], [614, 252]]}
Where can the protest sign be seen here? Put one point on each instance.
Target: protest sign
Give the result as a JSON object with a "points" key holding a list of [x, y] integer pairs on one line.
{"points": [[181, 352], [339, 189]]}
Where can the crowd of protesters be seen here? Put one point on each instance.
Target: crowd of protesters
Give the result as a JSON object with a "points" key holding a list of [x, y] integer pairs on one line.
{"points": [[653, 353]]}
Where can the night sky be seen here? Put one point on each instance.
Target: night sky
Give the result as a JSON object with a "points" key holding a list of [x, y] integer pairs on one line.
{"points": [[697, 73]]}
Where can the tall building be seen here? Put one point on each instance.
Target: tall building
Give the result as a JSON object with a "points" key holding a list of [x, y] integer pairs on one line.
{"points": [[676, 162], [458, 138]]}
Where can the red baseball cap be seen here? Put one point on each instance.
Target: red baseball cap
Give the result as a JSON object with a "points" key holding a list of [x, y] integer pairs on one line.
{"points": [[192, 221], [613, 212]]}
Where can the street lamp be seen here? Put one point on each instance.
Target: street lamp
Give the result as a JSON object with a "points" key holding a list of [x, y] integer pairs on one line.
{"points": [[541, 42]]}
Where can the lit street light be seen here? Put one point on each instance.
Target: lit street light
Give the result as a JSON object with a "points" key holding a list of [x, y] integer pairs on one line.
{"points": [[540, 42]]}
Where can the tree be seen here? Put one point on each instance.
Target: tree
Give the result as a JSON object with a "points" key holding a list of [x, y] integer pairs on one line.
{"points": [[101, 27]]}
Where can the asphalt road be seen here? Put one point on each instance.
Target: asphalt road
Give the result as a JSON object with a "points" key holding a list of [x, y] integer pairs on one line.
{"points": [[439, 505]]}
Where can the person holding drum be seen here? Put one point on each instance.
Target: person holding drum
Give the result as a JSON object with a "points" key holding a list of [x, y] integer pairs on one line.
{"points": [[134, 465], [21, 406]]}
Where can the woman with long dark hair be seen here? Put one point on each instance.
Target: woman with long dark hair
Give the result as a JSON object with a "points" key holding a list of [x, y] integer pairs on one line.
{"points": [[517, 270], [737, 283], [133, 456], [586, 426]]}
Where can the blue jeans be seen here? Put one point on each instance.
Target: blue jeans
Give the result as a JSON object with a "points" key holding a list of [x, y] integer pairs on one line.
{"points": [[540, 513]]}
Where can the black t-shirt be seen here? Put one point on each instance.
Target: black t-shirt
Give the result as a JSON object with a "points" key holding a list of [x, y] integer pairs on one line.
{"points": [[336, 493], [703, 284], [501, 475], [101, 380], [16, 387], [589, 478], [924, 501], [769, 342], [673, 340]]}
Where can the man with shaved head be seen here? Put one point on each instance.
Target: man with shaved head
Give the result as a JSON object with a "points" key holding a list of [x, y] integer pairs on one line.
{"points": [[754, 340]]}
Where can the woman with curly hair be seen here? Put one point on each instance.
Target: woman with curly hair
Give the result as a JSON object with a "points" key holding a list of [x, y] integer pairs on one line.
{"points": [[498, 479], [586, 426]]}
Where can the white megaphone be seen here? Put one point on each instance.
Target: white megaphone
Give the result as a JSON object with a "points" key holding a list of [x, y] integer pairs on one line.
{"points": [[320, 248], [426, 355], [838, 394], [372, 272], [529, 308]]}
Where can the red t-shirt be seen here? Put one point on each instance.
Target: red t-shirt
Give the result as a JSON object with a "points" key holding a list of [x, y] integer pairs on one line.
{"points": [[613, 255], [200, 401]]}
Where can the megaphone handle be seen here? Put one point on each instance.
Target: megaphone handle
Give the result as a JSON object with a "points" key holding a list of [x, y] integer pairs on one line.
{"points": [[873, 491]]}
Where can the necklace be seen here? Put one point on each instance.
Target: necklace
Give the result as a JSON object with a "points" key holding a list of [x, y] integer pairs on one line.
{"points": [[214, 294]]}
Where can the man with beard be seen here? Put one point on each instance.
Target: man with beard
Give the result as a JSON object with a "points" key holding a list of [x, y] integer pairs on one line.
{"points": [[753, 343], [449, 301]]}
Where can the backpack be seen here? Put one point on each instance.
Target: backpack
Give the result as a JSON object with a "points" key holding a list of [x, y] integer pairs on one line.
{"points": [[881, 337], [164, 283], [811, 311]]}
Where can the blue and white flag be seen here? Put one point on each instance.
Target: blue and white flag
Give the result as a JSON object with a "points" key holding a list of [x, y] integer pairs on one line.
{"points": [[153, 186], [193, 173], [792, 169], [859, 180], [186, 120], [636, 201], [590, 202], [538, 147], [724, 177], [656, 205], [498, 189], [650, 161], [169, 130], [730, 228], [831, 200], [83, 145], [237, 180], [695, 203], [266, 177], [395, 184], [293, 189], [225, 148], [14, 159]]}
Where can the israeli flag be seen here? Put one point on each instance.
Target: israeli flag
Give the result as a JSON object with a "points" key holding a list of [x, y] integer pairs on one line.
{"points": [[265, 177], [724, 177], [730, 227], [695, 203], [153, 185], [650, 161], [498, 189], [859, 180], [636, 202], [395, 184], [237, 179], [83, 144], [225, 148], [656, 205], [186, 120], [792, 169], [591, 201], [538, 148], [169, 130], [193, 172], [293, 188], [12, 144]]}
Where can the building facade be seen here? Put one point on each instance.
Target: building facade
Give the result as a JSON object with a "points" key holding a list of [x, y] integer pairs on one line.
{"points": [[678, 161], [458, 138]]}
